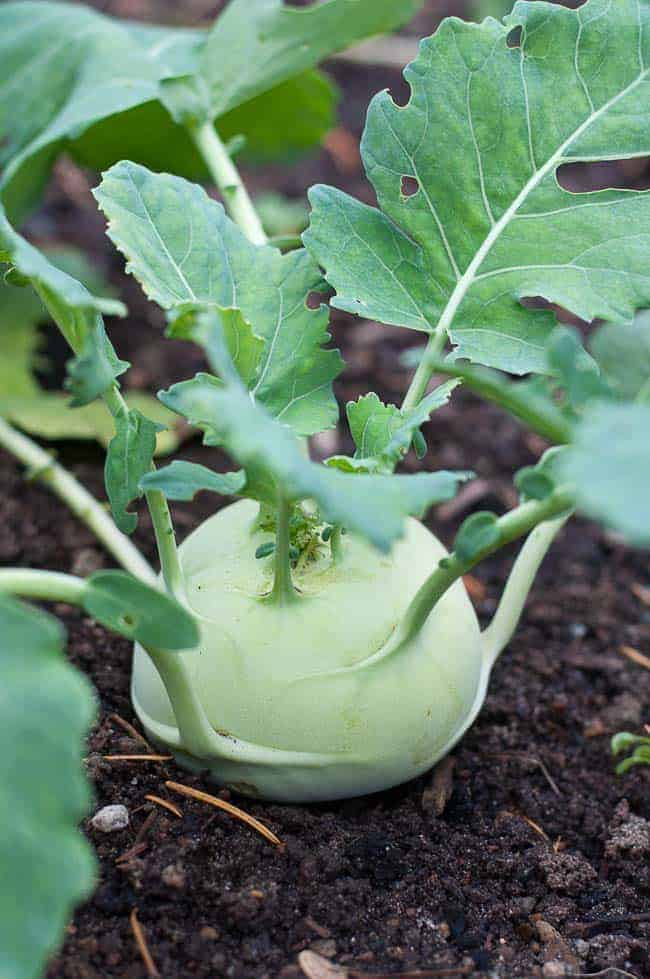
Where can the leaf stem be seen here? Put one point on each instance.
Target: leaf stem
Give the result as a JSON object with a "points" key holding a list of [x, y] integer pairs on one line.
{"points": [[511, 526], [160, 515], [49, 586], [161, 518], [336, 543], [542, 416], [418, 386], [227, 178], [197, 735], [283, 592], [83, 504]]}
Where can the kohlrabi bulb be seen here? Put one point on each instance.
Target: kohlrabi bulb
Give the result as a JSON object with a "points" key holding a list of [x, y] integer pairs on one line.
{"points": [[284, 678]]}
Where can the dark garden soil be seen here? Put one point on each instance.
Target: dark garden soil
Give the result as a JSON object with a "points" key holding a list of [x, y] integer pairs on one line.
{"points": [[522, 856]]}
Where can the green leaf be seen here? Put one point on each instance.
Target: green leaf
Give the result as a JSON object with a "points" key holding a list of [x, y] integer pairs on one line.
{"points": [[76, 311], [135, 610], [243, 349], [609, 464], [276, 467], [187, 255], [285, 122], [484, 134], [64, 68], [47, 413], [183, 480], [476, 534], [74, 79], [623, 355], [257, 44], [281, 216], [46, 708], [383, 433], [95, 369], [533, 483], [575, 371], [129, 457], [531, 401]]}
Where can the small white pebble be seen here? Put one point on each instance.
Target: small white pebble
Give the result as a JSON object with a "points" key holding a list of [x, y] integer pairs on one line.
{"points": [[108, 819]]}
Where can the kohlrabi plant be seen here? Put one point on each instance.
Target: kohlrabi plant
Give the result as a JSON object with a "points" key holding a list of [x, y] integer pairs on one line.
{"points": [[314, 640]]}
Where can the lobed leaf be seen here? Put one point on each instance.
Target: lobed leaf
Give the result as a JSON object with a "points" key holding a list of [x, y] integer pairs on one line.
{"points": [[129, 457], [189, 256], [483, 137], [373, 505], [141, 613], [609, 465], [47, 413], [75, 309], [183, 480], [46, 708], [383, 433]]}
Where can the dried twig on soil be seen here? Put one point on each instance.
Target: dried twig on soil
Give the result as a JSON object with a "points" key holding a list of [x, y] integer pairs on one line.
{"points": [[141, 942], [531, 759], [436, 796], [133, 851], [137, 757], [580, 927], [132, 731], [226, 807], [314, 966], [635, 656], [156, 799], [533, 825], [146, 826]]}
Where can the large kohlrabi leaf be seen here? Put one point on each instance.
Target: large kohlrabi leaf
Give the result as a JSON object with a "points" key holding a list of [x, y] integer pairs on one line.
{"points": [[72, 78], [188, 255], [276, 467], [609, 465], [487, 127], [46, 708], [256, 44], [76, 311]]}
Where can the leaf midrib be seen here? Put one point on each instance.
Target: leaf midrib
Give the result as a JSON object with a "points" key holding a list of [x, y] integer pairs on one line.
{"points": [[469, 276]]}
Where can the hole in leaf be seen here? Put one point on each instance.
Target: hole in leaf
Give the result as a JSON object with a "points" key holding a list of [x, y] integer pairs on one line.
{"points": [[605, 175], [409, 186], [127, 621], [513, 39], [314, 300], [400, 92]]}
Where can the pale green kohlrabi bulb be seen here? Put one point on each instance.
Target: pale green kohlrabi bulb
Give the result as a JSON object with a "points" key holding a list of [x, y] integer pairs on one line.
{"points": [[294, 720]]}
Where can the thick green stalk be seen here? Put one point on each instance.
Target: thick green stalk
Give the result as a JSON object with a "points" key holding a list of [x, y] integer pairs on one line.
{"points": [[47, 586], [511, 526], [418, 386], [160, 515], [336, 543], [227, 179], [547, 515], [46, 470], [536, 413], [283, 592]]}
